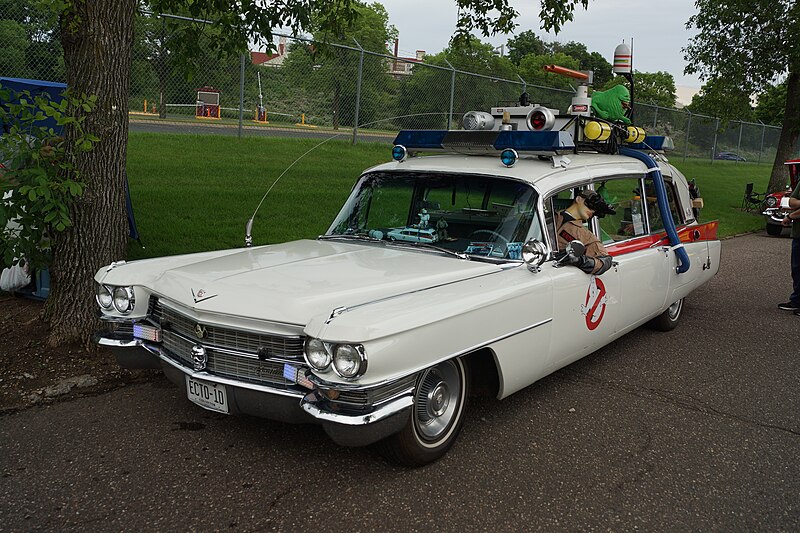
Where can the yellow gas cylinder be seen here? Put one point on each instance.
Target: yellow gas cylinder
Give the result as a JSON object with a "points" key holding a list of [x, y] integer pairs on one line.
{"points": [[596, 131], [635, 135]]}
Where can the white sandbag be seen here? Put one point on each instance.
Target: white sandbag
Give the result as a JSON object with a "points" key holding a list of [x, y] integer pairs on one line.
{"points": [[14, 278]]}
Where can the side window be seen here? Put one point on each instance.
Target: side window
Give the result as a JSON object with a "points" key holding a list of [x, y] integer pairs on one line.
{"points": [[653, 212], [552, 205], [625, 195]]}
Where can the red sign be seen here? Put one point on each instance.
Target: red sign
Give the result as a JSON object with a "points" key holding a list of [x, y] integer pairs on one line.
{"points": [[595, 306]]}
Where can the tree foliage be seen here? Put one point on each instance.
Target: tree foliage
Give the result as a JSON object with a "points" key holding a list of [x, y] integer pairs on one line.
{"points": [[655, 88], [772, 104], [38, 172], [498, 16], [722, 100], [753, 43]]}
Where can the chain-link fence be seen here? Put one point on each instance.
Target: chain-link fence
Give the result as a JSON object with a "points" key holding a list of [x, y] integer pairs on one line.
{"points": [[304, 89]]}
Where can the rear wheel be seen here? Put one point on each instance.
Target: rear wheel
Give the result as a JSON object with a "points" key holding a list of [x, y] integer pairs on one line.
{"points": [[436, 416], [668, 320], [774, 229]]}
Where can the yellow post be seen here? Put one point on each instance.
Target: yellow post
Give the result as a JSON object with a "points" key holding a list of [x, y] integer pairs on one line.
{"points": [[145, 105]]}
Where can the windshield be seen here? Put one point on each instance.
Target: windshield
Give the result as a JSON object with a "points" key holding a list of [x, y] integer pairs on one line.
{"points": [[476, 215]]}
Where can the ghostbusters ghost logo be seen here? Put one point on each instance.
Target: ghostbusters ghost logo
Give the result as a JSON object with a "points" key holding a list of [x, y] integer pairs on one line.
{"points": [[595, 306]]}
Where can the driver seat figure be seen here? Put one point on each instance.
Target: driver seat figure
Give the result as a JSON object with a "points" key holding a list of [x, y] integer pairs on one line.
{"points": [[569, 227]]}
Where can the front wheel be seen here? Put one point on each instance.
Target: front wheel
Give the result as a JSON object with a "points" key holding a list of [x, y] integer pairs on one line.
{"points": [[436, 416], [668, 320], [774, 229]]}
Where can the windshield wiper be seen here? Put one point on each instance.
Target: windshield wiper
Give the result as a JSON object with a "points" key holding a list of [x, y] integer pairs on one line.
{"points": [[351, 237], [427, 246]]}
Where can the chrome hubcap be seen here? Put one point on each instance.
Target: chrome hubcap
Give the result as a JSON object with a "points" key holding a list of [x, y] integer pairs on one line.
{"points": [[437, 401], [675, 309]]}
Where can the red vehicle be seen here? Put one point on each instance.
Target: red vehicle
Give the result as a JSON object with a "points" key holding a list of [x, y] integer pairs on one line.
{"points": [[777, 203]]}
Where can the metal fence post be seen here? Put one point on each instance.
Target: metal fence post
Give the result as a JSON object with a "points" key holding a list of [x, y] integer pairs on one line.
{"points": [[524, 84], [358, 89], [763, 132], [739, 146], [452, 92], [655, 118], [241, 94], [688, 129], [714, 146]]}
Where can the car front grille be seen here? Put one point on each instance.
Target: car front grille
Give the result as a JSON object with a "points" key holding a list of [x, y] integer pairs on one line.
{"points": [[235, 366], [240, 355], [255, 358], [263, 345]]}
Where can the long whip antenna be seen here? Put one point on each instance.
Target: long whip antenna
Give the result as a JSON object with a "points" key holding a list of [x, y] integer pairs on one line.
{"points": [[248, 237]]}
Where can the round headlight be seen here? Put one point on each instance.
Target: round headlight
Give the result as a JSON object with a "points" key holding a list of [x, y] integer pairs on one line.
{"points": [[103, 296], [317, 355], [124, 300], [771, 201], [349, 361]]}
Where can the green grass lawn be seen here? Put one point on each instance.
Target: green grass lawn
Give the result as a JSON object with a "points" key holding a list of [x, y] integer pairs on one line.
{"points": [[722, 186], [196, 192]]}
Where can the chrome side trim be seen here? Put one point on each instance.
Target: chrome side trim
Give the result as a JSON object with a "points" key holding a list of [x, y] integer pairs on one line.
{"points": [[310, 401]]}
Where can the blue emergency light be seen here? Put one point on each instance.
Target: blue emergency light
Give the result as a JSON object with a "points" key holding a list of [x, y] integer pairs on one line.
{"points": [[538, 142]]}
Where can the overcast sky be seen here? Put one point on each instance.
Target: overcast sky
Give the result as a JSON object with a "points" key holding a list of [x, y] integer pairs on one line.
{"points": [[658, 29]]}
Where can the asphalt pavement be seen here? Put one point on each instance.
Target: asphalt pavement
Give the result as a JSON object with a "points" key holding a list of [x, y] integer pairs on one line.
{"points": [[696, 429]]}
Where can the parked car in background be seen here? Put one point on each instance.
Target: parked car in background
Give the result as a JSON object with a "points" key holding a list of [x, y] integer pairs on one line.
{"points": [[777, 203], [378, 330], [729, 156]]}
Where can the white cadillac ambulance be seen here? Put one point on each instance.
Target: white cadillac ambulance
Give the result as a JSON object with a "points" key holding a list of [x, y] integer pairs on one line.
{"points": [[381, 340]]}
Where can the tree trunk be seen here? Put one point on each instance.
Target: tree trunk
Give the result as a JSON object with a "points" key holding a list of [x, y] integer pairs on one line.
{"points": [[97, 38], [789, 133]]}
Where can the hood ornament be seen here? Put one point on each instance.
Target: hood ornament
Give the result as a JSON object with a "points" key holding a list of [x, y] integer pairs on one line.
{"points": [[201, 296]]}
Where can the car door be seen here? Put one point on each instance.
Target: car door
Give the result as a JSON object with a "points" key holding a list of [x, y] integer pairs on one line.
{"points": [[585, 307], [634, 239]]}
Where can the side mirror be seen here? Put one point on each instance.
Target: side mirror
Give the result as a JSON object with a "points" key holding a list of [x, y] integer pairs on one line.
{"points": [[534, 253], [574, 250]]}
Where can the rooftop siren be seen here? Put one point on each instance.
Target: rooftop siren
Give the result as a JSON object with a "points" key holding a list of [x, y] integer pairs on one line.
{"points": [[622, 59], [478, 120], [581, 103]]}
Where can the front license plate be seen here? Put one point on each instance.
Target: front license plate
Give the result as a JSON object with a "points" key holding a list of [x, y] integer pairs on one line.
{"points": [[211, 396]]}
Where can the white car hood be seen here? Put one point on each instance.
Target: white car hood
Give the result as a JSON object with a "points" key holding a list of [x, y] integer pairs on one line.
{"points": [[295, 281]]}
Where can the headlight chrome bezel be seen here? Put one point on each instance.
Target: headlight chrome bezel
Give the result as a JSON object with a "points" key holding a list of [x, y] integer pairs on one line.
{"points": [[328, 362], [361, 361], [130, 300], [99, 295], [322, 349]]}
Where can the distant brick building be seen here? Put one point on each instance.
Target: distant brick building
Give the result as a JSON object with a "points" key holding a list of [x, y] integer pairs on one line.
{"points": [[270, 60]]}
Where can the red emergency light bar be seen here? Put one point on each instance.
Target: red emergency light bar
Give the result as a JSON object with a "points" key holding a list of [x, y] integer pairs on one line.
{"points": [[563, 71]]}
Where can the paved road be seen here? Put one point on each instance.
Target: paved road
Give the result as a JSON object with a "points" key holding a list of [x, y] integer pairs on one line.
{"points": [[691, 430]]}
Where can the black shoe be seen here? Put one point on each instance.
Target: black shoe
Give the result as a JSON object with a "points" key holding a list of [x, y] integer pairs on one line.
{"points": [[788, 306]]}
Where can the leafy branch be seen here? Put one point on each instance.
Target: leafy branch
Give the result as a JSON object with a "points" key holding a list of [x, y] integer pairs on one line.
{"points": [[39, 180]]}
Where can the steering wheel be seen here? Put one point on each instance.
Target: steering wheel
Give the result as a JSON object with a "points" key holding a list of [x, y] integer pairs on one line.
{"points": [[475, 235]]}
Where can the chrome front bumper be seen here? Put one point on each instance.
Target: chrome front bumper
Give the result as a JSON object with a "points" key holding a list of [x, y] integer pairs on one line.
{"points": [[295, 406]]}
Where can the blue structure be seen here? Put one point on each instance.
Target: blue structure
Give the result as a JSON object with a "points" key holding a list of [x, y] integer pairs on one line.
{"points": [[53, 91]]}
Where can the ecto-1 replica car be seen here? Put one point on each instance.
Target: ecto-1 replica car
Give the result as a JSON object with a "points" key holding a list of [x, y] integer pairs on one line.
{"points": [[776, 205], [381, 339]]}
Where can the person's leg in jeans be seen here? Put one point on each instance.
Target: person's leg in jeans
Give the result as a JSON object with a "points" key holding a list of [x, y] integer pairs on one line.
{"points": [[795, 297]]}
